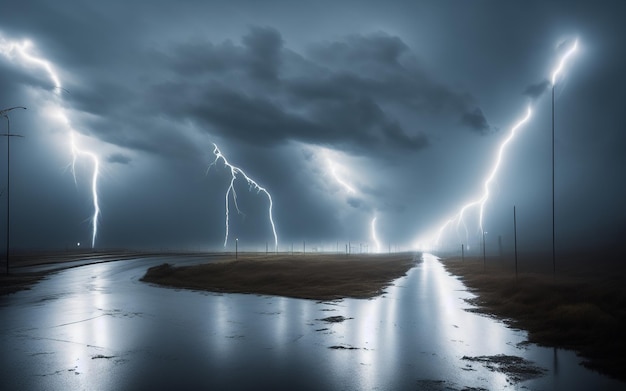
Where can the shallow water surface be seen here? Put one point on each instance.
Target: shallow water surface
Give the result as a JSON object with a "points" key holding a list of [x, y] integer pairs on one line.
{"points": [[99, 327]]}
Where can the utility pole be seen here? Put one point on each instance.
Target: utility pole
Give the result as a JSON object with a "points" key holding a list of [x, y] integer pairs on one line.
{"points": [[515, 239], [236, 248], [4, 113], [484, 253], [553, 231]]}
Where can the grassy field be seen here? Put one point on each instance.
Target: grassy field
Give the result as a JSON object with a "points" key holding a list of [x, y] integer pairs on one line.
{"points": [[318, 277], [583, 308], [12, 283]]}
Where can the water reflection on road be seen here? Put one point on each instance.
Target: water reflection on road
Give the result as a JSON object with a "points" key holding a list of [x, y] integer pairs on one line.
{"points": [[99, 327]]}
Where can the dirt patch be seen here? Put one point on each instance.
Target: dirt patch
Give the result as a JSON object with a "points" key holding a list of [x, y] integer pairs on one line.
{"points": [[334, 319], [342, 347], [516, 368], [443, 385], [97, 356], [317, 277], [14, 283]]}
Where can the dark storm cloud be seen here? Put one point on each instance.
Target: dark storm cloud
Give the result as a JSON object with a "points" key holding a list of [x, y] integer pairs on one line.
{"points": [[259, 56], [355, 202], [264, 52], [476, 121], [534, 91], [382, 66], [357, 52], [343, 93], [119, 158]]}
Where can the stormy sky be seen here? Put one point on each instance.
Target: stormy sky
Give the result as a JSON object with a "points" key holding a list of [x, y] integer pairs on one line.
{"points": [[343, 111]]}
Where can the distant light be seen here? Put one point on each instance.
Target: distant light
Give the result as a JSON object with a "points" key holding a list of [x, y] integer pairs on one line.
{"points": [[78, 244]]}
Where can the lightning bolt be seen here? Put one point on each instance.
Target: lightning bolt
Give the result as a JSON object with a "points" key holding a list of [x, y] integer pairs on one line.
{"points": [[374, 236], [332, 167], [24, 50], [563, 61], [480, 202], [234, 172]]}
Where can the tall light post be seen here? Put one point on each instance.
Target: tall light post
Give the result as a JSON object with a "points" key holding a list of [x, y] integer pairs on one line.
{"points": [[4, 113], [236, 247], [515, 239], [484, 253], [555, 75], [553, 228]]}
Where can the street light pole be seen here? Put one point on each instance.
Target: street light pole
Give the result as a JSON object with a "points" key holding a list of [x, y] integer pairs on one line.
{"points": [[515, 238], [484, 253], [4, 113], [553, 231]]}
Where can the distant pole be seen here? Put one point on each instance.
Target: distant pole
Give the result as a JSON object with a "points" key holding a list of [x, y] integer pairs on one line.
{"points": [[266, 248], [303, 247], [346, 249], [291, 248], [553, 232], [8, 135], [462, 252], [515, 238], [236, 248], [484, 253]]}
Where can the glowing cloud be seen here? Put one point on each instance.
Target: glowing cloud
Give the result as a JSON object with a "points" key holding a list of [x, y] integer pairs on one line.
{"points": [[234, 171], [333, 172], [333, 169], [16, 51]]}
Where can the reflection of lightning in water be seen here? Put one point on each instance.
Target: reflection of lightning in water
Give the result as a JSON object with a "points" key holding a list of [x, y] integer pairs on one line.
{"points": [[483, 199], [231, 189], [24, 51], [374, 236]]}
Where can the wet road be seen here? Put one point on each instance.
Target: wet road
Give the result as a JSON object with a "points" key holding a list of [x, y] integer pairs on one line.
{"points": [[97, 327]]}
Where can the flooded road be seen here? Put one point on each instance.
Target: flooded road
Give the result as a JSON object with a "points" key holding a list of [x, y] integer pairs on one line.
{"points": [[99, 327]]}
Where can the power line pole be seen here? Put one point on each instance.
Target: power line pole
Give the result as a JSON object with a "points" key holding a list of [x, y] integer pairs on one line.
{"points": [[553, 231], [4, 113], [484, 253], [515, 239]]}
